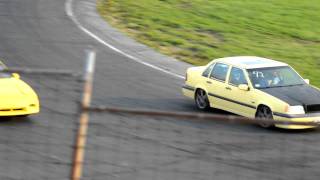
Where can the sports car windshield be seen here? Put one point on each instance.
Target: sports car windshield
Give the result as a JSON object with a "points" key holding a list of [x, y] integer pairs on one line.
{"points": [[274, 77], [5, 75]]}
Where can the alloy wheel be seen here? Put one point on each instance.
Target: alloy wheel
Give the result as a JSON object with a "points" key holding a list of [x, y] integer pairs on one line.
{"points": [[201, 99], [265, 113]]}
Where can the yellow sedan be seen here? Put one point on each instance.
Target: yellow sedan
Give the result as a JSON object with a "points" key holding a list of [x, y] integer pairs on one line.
{"points": [[16, 97], [254, 87]]}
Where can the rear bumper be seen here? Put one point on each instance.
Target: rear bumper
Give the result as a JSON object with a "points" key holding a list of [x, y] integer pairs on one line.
{"points": [[188, 91]]}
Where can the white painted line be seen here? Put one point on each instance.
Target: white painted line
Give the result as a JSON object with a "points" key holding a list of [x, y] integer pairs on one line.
{"points": [[91, 59], [69, 12]]}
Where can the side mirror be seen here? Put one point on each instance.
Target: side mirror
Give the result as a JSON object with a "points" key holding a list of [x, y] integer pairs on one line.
{"points": [[307, 81], [16, 75], [243, 87]]}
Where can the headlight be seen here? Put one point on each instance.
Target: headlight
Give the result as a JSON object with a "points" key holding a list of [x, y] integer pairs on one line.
{"points": [[294, 110]]}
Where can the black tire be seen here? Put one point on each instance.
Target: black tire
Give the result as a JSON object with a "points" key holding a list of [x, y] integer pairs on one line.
{"points": [[264, 112], [201, 100]]}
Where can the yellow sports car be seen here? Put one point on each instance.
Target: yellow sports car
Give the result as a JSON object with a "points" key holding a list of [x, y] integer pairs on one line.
{"points": [[254, 87], [16, 97]]}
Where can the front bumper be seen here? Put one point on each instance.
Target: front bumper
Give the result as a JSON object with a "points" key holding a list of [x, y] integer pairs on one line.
{"points": [[305, 118], [20, 110]]}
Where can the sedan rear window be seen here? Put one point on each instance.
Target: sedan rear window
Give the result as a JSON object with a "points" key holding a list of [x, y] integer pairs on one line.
{"points": [[219, 72], [207, 71]]}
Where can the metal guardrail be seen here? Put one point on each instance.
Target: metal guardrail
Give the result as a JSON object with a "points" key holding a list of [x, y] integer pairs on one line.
{"points": [[186, 115]]}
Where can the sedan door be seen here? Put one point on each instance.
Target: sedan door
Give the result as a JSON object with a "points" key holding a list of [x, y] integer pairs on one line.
{"points": [[216, 85], [242, 99]]}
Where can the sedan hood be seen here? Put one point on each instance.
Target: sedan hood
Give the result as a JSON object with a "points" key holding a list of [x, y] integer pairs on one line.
{"points": [[296, 95]]}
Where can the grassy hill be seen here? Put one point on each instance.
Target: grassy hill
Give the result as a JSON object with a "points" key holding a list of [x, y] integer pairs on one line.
{"points": [[198, 31]]}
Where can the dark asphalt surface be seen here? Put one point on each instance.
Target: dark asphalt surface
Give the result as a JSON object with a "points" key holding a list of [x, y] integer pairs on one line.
{"points": [[39, 34]]}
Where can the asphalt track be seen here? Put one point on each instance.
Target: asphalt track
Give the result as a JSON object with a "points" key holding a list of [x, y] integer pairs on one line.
{"points": [[39, 34]]}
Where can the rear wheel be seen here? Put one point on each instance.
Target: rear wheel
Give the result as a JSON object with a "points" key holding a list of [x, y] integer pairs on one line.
{"points": [[201, 100], [264, 113]]}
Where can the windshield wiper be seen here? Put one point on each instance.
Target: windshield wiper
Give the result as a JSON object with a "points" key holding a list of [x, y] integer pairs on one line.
{"points": [[293, 85], [268, 87], [289, 85]]}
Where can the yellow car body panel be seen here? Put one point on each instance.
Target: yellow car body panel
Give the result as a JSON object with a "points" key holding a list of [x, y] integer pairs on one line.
{"points": [[17, 98], [235, 100]]}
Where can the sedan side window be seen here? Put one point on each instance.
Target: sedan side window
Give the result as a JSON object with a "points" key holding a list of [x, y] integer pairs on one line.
{"points": [[219, 72], [237, 77], [208, 70]]}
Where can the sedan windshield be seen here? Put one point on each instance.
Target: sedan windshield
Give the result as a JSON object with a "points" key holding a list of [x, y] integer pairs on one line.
{"points": [[274, 77]]}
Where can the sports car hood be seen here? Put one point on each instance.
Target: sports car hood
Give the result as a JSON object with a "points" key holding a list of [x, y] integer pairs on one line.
{"points": [[9, 89], [295, 95]]}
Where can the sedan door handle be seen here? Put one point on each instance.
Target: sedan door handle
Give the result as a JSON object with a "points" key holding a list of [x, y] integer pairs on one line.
{"points": [[209, 82], [228, 88]]}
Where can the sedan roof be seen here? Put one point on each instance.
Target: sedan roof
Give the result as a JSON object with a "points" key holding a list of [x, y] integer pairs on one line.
{"points": [[250, 62]]}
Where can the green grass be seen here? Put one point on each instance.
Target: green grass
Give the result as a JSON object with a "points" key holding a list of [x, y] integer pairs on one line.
{"points": [[197, 31]]}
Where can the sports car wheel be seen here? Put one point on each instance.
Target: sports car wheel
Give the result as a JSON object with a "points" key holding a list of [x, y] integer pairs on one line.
{"points": [[264, 112], [23, 116], [202, 100]]}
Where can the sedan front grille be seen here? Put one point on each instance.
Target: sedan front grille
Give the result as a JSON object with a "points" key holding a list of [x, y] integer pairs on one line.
{"points": [[312, 108]]}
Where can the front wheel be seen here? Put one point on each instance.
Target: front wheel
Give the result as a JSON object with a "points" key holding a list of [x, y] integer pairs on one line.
{"points": [[264, 113], [201, 99]]}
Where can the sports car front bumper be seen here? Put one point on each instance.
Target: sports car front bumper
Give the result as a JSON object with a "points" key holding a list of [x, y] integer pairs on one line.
{"points": [[20, 109]]}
